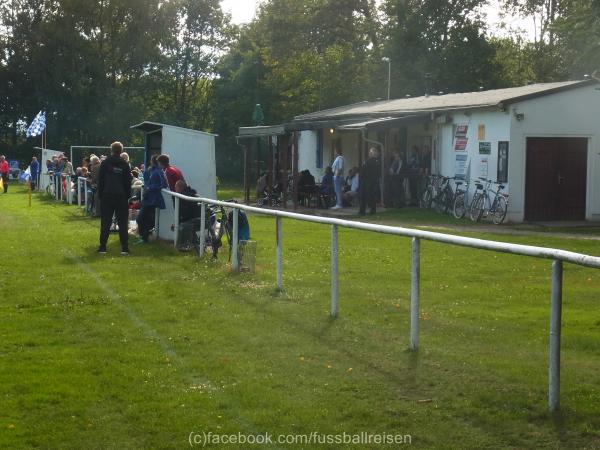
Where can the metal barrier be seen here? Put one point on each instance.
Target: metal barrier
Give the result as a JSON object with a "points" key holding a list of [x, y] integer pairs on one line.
{"points": [[556, 255], [82, 181]]}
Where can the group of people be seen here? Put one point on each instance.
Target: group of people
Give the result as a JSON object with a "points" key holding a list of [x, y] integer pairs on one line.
{"points": [[406, 176], [402, 184], [362, 182], [116, 182]]}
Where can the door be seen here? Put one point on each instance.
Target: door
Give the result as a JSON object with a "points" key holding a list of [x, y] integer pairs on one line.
{"points": [[555, 180]]}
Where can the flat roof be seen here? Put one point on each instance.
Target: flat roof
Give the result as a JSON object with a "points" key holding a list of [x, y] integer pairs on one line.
{"points": [[441, 103], [150, 127]]}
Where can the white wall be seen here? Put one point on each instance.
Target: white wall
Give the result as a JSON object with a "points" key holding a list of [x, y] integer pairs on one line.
{"points": [[192, 152], [571, 113], [497, 128], [307, 156]]}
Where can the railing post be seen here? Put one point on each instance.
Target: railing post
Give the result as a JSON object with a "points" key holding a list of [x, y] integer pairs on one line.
{"points": [[414, 293], [234, 245], [555, 328], [176, 220], [70, 194], [202, 237], [334, 271], [157, 220], [85, 193], [78, 192], [278, 232]]}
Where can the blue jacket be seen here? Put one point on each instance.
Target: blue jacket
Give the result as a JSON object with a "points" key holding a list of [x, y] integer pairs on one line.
{"points": [[34, 169], [156, 181]]}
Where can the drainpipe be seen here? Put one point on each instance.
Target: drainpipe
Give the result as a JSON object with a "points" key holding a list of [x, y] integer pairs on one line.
{"points": [[380, 144]]}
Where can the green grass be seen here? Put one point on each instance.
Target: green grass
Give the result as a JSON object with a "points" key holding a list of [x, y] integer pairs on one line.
{"points": [[139, 351]]}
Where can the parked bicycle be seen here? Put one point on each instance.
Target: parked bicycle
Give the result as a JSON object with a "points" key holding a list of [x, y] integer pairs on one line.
{"points": [[460, 206], [483, 206], [444, 200], [430, 192]]}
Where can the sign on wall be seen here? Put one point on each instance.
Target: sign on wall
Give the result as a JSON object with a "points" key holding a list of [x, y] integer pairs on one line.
{"points": [[503, 162], [460, 138], [460, 167], [481, 132], [485, 148], [483, 168]]}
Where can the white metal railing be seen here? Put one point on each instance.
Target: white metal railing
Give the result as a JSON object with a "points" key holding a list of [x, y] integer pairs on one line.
{"points": [[556, 255], [82, 181]]}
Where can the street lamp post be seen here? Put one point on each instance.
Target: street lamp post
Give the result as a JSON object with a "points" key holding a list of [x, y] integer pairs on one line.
{"points": [[387, 60]]}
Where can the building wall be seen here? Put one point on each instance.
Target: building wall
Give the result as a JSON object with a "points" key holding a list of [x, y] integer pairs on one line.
{"points": [[307, 156], [572, 113], [496, 128]]}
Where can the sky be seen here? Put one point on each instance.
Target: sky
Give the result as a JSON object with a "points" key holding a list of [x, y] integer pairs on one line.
{"points": [[242, 11]]}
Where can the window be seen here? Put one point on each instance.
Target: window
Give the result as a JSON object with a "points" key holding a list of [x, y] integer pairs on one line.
{"points": [[503, 162]]}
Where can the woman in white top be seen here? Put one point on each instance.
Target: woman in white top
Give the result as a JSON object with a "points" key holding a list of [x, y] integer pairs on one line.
{"points": [[338, 177]]}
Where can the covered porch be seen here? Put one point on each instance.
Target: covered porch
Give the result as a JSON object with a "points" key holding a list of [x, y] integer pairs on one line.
{"points": [[274, 156]]}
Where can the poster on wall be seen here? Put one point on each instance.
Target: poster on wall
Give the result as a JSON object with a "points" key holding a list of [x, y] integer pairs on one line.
{"points": [[460, 145], [503, 162], [481, 132], [483, 168], [461, 130], [460, 138], [460, 167], [485, 148]]}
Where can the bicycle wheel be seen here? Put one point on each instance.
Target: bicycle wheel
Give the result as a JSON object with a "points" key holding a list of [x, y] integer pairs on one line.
{"points": [[499, 210], [439, 202], [476, 209], [459, 209], [425, 201]]}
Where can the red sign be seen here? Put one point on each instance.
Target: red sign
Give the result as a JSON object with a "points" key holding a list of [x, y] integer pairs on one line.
{"points": [[460, 144]]}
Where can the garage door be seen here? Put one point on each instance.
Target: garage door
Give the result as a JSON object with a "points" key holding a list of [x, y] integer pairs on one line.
{"points": [[555, 183]]}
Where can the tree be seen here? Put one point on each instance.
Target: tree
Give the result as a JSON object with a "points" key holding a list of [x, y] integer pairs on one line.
{"points": [[438, 45]]}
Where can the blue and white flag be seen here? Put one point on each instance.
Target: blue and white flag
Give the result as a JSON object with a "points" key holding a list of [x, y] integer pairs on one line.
{"points": [[38, 125]]}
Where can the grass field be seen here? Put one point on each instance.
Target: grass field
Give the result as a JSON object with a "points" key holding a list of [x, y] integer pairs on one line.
{"points": [[140, 351]]}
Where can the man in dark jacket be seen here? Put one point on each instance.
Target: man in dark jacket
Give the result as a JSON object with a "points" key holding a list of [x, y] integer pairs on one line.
{"points": [[369, 182], [114, 190]]}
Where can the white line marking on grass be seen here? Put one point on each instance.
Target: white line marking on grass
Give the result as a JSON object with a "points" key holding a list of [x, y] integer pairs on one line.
{"points": [[148, 330], [152, 333]]}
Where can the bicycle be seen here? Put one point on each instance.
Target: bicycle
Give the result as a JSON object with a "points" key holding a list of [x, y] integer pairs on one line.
{"points": [[444, 200], [483, 206], [433, 182], [459, 207]]}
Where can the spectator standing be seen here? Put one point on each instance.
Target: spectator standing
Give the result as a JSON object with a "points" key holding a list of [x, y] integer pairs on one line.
{"points": [[369, 182], [94, 174], [338, 177], [172, 173], [114, 190], [4, 171], [155, 181], [34, 171]]}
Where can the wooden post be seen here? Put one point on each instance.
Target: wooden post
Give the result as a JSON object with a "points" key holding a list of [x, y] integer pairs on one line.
{"points": [[257, 156], [270, 168], [295, 169], [246, 176], [361, 145], [284, 163]]}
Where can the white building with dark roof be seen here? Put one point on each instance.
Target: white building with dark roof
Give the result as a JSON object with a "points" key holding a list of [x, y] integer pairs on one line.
{"points": [[540, 140]]}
